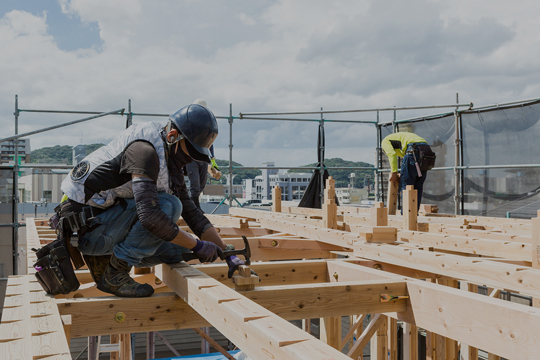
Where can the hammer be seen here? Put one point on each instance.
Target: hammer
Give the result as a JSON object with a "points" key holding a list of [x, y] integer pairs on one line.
{"points": [[245, 252]]}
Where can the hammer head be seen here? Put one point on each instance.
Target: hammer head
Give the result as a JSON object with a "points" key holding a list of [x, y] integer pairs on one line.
{"points": [[247, 253]]}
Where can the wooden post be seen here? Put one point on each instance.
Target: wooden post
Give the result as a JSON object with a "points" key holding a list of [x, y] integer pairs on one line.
{"points": [[410, 208], [329, 208], [93, 347], [378, 215], [330, 327], [115, 355], [205, 346], [392, 197], [535, 224], [410, 342], [276, 199], [330, 331], [150, 345], [379, 342], [392, 338], [306, 325], [468, 352], [125, 347]]}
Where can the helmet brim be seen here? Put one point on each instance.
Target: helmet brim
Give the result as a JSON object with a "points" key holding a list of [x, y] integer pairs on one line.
{"points": [[199, 153]]}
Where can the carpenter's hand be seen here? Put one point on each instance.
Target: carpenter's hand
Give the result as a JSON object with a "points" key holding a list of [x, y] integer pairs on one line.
{"points": [[394, 177], [214, 165], [234, 263], [206, 251]]}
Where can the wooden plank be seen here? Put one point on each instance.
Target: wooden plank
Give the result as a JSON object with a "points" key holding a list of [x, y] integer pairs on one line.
{"points": [[258, 332], [16, 341]]}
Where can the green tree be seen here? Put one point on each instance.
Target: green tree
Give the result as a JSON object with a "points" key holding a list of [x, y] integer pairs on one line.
{"points": [[240, 173], [62, 154]]}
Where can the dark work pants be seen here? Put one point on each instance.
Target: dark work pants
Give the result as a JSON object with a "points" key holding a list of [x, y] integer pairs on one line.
{"points": [[409, 176]]}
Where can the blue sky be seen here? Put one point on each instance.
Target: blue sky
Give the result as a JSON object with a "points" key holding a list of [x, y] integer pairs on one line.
{"points": [[68, 30], [265, 55]]}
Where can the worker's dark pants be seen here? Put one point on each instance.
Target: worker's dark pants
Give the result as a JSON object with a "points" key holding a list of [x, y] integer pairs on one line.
{"points": [[121, 232], [409, 176], [197, 174]]}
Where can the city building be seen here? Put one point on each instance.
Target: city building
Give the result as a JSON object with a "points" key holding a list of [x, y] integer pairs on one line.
{"points": [[7, 151], [350, 195], [293, 185], [41, 185]]}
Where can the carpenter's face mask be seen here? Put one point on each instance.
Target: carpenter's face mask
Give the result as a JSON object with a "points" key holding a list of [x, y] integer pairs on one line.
{"points": [[177, 158]]}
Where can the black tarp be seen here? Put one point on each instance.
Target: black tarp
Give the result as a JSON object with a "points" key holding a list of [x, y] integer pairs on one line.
{"points": [[312, 195]]}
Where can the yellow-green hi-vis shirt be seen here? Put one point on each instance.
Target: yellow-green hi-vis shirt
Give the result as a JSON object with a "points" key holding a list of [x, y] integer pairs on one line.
{"points": [[405, 138]]}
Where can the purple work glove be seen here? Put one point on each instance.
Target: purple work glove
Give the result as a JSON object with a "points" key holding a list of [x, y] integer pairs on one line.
{"points": [[234, 263], [206, 251]]}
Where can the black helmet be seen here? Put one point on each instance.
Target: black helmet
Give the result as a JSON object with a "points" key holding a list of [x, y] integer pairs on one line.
{"points": [[198, 126]]}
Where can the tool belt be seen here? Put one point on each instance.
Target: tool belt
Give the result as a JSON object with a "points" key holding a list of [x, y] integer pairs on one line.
{"points": [[56, 260], [426, 157]]}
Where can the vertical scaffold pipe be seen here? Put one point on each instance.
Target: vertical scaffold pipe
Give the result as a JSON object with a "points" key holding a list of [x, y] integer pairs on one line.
{"points": [[321, 152], [230, 157], [15, 207]]}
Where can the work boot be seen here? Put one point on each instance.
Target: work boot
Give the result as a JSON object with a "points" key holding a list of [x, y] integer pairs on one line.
{"points": [[97, 265], [116, 281], [195, 199]]}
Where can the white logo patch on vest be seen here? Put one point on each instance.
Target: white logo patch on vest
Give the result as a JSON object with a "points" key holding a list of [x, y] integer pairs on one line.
{"points": [[80, 170]]}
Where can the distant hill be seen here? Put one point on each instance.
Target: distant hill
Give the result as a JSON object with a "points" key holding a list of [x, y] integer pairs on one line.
{"points": [[59, 154], [342, 176], [240, 173]]}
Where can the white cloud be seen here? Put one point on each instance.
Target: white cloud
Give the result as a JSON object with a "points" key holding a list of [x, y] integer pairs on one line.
{"points": [[268, 56]]}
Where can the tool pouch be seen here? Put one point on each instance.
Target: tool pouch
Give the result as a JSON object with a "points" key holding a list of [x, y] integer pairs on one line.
{"points": [[426, 156], [54, 270]]}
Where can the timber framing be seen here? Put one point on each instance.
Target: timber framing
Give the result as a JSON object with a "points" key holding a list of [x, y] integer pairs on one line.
{"points": [[357, 263]]}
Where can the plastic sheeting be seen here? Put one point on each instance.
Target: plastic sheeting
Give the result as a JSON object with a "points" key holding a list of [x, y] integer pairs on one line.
{"points": [[501, 136], [497, 136]]}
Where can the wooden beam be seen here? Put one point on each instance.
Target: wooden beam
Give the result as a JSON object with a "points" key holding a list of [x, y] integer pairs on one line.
{"points": [[503, 276], [97, 316], [329, 236], [482, 234], [514, 333], [329, 299], [228, 221], [255, 330], [469, 245], [274, 273]]}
